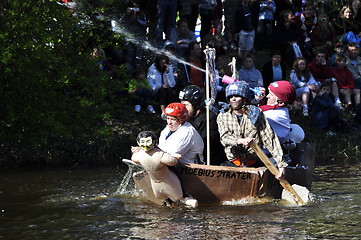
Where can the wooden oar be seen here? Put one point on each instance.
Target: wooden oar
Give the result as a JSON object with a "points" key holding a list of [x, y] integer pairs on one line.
{"points": [[273, 169]]}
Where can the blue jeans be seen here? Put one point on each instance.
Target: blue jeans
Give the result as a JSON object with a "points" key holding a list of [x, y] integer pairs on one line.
{"points": [[166, 16]]}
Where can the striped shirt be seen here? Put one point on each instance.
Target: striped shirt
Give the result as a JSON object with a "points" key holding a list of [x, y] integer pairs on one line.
{"points": [[230, 130]]}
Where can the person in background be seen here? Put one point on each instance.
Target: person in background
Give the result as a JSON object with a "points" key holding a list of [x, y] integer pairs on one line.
{"points": [[189, 9], [339, 49], [246, 23], [135, 22], [166, 20], [274, 70], [321, 71], [265, 24], [353, 62], [140, 88], [323, 35], [344, 21], [207, 11], [249, 73], [326, 115], [99, 55], [241, 125], [180, 137], [345, 82], [193, 98], [182, 36], [304, 83], [161, 80]]}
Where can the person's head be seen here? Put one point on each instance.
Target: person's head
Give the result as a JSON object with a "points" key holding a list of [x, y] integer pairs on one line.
{"points": [[176, 114], [325, 88], [182, 26], [161, 62], [320, 57], [322, 21], [280, 93], [248, 62], [147, 140], [300, 64], [276, 58], [169, 47], [286, 16], [340, 48], [346, 12], [98, 53], [237, 94], [139, 73], [340, 60], [193, 99], [352, 50], [195, 49], [309, 11]]}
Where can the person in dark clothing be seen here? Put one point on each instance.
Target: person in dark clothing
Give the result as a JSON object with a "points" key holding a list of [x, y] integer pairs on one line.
{"points": [[193, 98], [274, 70], [326, 115]]}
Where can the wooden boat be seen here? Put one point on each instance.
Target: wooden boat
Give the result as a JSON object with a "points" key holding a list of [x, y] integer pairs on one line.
{"points": [[216, 184]]}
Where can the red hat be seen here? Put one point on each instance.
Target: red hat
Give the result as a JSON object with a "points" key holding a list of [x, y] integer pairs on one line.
{"points": [[176, 110], [283, 90]]}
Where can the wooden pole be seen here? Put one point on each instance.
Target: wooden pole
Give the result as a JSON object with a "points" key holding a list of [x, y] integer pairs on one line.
{"points": [[273, 169]]}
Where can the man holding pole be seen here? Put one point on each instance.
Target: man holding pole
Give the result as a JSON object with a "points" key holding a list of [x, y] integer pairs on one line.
{"points": [[243, 124]]}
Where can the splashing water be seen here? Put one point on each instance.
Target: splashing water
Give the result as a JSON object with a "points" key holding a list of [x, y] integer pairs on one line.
{"points": [[127, 186], [116, 27]]}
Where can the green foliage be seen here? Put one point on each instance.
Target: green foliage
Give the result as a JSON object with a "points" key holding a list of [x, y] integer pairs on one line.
{"points": [[51, 91]]}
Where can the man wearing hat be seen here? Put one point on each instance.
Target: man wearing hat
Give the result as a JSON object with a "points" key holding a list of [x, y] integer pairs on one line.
{"points": [[244, 123], [281, 93]]}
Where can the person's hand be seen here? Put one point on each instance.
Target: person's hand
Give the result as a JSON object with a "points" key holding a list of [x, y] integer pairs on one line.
{"points": [[312, 87], [245, 141], [166, 68], [135, 149], [281, 174], [176, 155], [261, 94]]}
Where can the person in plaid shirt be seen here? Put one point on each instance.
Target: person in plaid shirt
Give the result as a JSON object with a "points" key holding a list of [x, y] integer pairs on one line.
{"points": [[244, 123]]}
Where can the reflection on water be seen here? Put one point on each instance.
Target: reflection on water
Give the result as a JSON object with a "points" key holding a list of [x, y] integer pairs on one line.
{"points": [[81, 204]]}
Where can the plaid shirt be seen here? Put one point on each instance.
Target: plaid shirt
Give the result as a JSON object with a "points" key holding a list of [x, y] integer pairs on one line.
{"points": [[230, 130]]}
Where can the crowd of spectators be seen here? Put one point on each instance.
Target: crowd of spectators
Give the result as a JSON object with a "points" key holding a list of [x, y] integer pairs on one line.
{"points": [[311, 46]]}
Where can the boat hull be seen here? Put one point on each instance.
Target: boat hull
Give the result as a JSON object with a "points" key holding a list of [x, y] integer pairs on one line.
{"points": [[215, 184]]}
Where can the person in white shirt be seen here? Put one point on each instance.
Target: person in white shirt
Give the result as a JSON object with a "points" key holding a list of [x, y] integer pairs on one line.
{"points": [[180, 137]]}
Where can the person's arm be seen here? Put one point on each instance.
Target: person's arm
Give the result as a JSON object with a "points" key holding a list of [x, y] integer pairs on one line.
{"points": [[169, 77], [295, 81], [152, 78], [226, 136]]}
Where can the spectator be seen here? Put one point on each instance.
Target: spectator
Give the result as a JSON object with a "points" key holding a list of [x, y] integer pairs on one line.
{"points": [[345, 82], [353, 63], [246, 22], [189, 9], [274, 70], [344, 21], [249, 73], [265, 24], [140, 88], [182, 37], [161, 80], [304, 83], [323, 36], [206, 10], [166, 19], [339, 49], [321, 71], [325, 114]]}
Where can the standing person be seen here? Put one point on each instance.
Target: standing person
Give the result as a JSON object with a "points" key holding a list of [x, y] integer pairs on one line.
{"points": [[193, 98], [166, 19], [180, 137], [304, 83], [249, 73], [265, 24], [243, 124], [321, 71], [161, 80], [274, 70], [230, 8], [189, 9], [285, 35], [345, 82], [206, 10], [353, 62], [135, 21], [247, 22]]}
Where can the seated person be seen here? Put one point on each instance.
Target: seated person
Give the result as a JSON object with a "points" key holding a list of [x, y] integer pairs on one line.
{"points": [[243, 124], [326, 115], [181, 36], [180, 137], [249, 73], [274, 70]]}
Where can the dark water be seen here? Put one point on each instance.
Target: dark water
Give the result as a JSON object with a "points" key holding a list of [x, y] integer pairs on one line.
{"points": [[81, 204]]}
